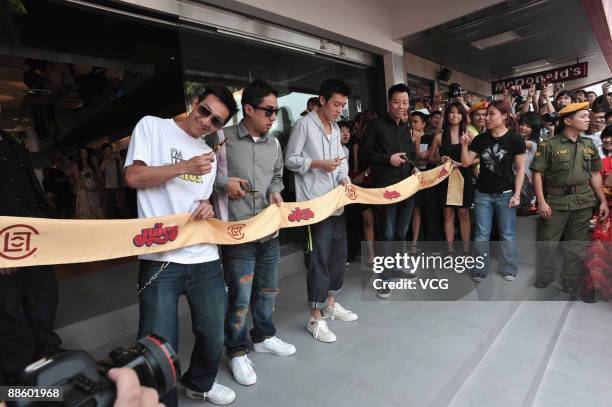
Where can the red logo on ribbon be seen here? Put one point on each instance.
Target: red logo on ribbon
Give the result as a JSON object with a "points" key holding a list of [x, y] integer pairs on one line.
{"points": [[351, 192], [421, 180], [391, 195], [236, 231], [300, 214], [16, 242], [156, 235], [442, 173]]}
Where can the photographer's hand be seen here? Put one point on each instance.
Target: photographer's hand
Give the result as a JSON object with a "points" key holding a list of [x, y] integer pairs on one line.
{"points": [[129, 391]]}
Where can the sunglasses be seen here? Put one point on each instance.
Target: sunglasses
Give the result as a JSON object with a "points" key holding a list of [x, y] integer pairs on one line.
{"points": [[205, 112], [269, 110]]}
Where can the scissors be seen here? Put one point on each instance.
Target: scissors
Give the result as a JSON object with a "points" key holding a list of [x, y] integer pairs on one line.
{"points": [[218, 146]]}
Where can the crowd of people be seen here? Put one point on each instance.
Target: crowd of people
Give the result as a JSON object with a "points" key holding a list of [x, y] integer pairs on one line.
{"points": [[506, 150], [88, 187]]}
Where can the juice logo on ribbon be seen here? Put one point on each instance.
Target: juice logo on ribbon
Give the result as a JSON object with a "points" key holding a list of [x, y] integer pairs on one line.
{"points": [[391, 195], [351, 192], [300, 214], [236, 231], [16, 242], [156, 235], [442, 173]]}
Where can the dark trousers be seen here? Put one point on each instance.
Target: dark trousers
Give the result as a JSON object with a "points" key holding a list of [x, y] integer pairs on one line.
{"points": [[568, 231], [28, 302], [251, 271], [204, 287], [431, 214], [395, 221], [354, 227], [325, 257]]}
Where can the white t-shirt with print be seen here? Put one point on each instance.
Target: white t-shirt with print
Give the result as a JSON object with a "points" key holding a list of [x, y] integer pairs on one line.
{"points": [[158, 142]]}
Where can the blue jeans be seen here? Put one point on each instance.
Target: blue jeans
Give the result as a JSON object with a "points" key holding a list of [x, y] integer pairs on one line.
{"points": [[205, 290], [394, 223], [486, 208], [396, 220], [251, 274]]}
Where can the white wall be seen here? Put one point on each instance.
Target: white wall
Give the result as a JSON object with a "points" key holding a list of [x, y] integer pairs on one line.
{"points": [[427, 69], [361, 23]]}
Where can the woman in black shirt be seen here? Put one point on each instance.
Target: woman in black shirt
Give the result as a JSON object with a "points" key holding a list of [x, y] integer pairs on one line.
{"points": [[447, 143], [498, 188]]}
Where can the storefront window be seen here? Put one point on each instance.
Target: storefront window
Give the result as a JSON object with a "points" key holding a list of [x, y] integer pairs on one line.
{"points": [[210, 57], [77, 76]]}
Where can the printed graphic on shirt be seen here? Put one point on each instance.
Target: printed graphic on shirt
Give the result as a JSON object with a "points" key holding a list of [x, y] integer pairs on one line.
{"points": [[492, 157], [176, 156]]}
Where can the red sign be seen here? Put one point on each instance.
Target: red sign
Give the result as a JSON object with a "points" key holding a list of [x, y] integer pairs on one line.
{"points": [[16, 242], [236, 231], [300, 214], [563, 74], [391, 194], [351, 192], [156, 235]]}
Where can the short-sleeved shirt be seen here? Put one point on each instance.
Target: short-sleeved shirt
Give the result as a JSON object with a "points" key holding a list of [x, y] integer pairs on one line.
{"points": [[497, 160], [566, 163], [159, 142]]}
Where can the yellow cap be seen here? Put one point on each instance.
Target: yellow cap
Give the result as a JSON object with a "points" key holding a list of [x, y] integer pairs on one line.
{"points": [[483, 104], [573, 107]]}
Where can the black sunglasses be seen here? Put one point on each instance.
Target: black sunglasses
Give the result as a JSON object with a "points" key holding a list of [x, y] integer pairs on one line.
{"points": [[269, 110], [205, 112]]}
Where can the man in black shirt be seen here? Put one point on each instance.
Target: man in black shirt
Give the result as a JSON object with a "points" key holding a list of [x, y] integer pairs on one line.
{"points": [[29, 295], [388, 150]]}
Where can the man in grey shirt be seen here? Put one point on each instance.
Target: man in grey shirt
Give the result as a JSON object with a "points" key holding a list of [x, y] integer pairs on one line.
{"points": [[252, 180], [315, 154]]}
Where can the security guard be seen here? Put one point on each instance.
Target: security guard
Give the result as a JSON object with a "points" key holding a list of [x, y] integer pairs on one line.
{"points": [[566, 180]]}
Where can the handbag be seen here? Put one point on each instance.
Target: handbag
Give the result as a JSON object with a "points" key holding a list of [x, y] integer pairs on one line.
{"points": [[527, 193]]}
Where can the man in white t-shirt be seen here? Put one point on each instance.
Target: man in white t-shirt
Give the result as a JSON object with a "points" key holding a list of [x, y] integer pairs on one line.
{"points": [[174, 170]]}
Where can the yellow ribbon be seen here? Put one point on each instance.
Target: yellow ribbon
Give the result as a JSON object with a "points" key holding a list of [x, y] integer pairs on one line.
{"points": [[39, 241]]}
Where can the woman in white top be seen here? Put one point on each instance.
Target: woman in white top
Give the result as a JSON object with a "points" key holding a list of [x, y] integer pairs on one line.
{"points": [[529, 129]]}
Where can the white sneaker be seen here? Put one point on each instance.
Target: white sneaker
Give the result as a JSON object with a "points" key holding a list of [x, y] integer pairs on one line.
{"points": [[218, 394], [274, 345], [319, 330], [242, 368], [339, 312]]}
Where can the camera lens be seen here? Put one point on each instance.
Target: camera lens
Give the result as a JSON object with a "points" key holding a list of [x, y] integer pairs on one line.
{"points": [[158, 367]]}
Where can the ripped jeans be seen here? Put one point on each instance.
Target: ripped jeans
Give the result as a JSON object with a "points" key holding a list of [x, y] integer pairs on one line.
{"points": [[251, 275]]}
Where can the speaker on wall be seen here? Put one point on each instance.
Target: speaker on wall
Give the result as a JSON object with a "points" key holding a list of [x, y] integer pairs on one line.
{"points": [[444, 74]]}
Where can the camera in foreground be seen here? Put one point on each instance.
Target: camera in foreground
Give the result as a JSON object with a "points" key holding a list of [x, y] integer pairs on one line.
{"points": [[85, 382]]}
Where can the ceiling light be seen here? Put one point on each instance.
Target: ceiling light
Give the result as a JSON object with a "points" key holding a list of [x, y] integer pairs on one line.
{"points": [[498, 39]]}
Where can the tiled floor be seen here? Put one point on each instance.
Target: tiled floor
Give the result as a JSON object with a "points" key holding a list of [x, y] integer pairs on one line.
{"points": [[473, 351], [423, 353]]}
